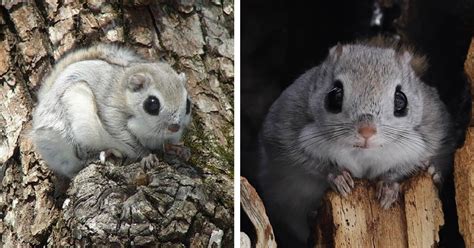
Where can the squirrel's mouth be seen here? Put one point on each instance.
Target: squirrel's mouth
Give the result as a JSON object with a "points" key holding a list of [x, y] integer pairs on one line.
{"points": [[365, 146], [361, 146]]}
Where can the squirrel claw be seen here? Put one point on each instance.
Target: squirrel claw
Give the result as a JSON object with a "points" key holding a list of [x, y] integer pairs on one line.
{"points": [[341, 183], [431, 169], [178, 150], [387, 193], [434, 174], [102, 157], [149, 161], [425, 164]]}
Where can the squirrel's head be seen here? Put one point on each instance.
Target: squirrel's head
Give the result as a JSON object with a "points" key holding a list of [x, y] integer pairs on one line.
{"points": [[370, 99], [159, 104]]}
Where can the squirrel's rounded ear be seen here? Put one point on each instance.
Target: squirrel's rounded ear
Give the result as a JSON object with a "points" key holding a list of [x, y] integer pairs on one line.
{"points": [[403, 56], [336, 51], [182, 78], [419, 64], [137, 81]]}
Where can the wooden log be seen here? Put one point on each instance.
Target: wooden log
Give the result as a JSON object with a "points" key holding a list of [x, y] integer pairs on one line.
{"points": [[255, 210], [359, 221]]}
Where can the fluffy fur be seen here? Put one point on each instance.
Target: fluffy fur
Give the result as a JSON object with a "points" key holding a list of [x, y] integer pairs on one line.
{"points": [[93, 101], [301, 142]]}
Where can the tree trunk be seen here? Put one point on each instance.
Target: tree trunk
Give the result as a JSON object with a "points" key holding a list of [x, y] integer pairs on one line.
{"points": [[174, 203]]}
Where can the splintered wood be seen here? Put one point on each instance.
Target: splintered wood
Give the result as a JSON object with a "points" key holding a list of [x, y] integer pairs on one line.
{"points": [[253, 207], [464, 183], [359, 221]]}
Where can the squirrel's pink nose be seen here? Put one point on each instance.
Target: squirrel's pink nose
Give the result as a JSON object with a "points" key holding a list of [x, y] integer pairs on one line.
{"points": [[174, 128], [367, 131]]}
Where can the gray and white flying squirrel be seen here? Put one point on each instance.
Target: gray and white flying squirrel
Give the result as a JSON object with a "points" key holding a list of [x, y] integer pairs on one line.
{"points": [[107, 98], [363, 113]]}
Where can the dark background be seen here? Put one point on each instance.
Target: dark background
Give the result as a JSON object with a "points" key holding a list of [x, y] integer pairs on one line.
{"points": [[282, 39]]}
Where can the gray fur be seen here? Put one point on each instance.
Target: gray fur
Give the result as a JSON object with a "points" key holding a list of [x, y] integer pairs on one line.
{"points": [[89, 107], [301, 142]]}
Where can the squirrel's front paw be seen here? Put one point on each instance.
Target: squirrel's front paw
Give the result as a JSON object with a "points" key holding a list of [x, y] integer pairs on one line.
{"points": [[387, 193], [178, 150], [430, 168], [341, 182], [149, 161]]}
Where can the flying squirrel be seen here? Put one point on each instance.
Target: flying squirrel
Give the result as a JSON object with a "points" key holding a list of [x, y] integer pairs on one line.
{"points": [[107, 100], [364, 112]]}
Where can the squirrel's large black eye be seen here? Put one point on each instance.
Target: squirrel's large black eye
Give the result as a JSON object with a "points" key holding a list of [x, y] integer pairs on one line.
{"points": [[400, 103], [188, 106], [152, 105], [334, 98]]}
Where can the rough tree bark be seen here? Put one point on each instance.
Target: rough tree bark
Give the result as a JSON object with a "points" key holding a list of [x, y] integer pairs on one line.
{"points": [[173, 204]]}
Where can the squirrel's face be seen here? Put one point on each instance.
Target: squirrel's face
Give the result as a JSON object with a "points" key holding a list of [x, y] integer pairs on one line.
{"points": [[370, 101], [160, 105]]}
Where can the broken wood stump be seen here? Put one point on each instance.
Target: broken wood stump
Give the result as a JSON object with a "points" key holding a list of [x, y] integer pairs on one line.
{"points": [[359, 221]]}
